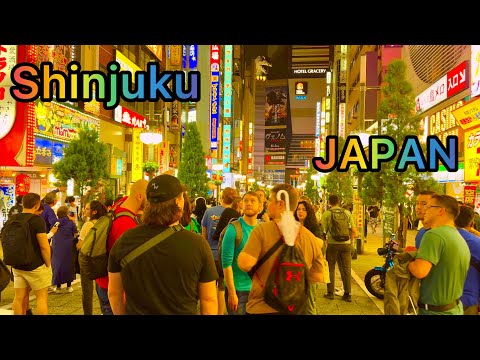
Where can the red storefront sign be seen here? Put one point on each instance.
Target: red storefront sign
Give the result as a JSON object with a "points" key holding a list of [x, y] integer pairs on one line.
{"points": [[17, 120], [22, 184]]}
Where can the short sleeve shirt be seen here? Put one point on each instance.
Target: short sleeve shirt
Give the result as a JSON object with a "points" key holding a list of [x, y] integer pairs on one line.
{"points": [[446, 249], [261, 239], [163, 280]]}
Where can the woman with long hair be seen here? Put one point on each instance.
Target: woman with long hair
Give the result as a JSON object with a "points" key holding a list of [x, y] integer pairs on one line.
{"points": [[200, 208], [305, 214], [187, 221]]}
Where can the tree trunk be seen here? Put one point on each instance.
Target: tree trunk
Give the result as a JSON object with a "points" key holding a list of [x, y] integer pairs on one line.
{"points": [[400, 231]]}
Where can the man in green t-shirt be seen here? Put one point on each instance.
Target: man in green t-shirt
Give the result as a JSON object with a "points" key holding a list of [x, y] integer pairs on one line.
{"points": [[442, 260]]}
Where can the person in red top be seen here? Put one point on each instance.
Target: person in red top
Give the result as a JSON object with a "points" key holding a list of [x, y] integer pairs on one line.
{"points": [[133, 203]]}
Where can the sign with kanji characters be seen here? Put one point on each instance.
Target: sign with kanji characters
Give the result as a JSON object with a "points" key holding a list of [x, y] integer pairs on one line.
{"points": [[137, 155], [214, 94], [468, 116], [469, 194], [192, 57], [227, 140], [227, 82], [472, 155], [176, 55]]}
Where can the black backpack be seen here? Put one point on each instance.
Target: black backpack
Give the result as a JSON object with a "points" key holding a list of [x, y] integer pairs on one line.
{"points": [[339, 229], [286, 289], [17, 242], [238, 239], [5, 275]]}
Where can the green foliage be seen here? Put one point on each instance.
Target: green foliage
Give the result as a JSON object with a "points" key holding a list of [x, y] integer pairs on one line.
{"points": [[150, 166], [398, 107], [340, 183], [193, 171], [311, 189], [85, 160]]}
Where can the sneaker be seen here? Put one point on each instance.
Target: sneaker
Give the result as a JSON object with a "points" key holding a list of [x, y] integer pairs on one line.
{"points": [[70, 289], [328, 296], [56, 290], [347, 297]]}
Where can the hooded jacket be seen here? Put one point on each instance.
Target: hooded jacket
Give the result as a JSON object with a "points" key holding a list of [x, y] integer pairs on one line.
{"points": [[402, 289]]}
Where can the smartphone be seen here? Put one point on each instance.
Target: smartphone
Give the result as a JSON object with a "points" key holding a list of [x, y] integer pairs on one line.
{"points": [[56, 224]]}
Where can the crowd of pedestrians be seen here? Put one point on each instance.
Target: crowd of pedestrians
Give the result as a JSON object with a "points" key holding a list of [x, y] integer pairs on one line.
{"points": [[158, 229]]}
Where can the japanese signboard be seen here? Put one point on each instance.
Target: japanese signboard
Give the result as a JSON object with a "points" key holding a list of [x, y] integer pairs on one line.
{"points": [[275, 139], [472, 155], [61, 122], [450, 84], [214, 94]]}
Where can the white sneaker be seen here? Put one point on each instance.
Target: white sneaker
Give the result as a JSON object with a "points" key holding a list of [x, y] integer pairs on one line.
{"points": [[70, 289], [56, 290]]}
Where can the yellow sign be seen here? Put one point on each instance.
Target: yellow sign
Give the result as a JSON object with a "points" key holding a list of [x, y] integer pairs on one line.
{"points": [[126, 64], [137, 155], [468, 116], [472, 155]]}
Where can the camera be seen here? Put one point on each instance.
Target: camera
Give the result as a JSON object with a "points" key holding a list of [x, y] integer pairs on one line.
{"points": [[71, 213]]}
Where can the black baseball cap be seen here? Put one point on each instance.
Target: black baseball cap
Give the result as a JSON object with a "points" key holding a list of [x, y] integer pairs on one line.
{"points": [[163, 188]]}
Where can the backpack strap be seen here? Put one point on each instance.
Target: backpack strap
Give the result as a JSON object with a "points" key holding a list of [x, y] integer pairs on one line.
{"points": [[474, 263], [149, 244], [238, 232], [269, 253], [125, 213]]}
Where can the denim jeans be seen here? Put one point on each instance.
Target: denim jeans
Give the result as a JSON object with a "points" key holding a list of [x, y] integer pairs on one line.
{"points": [[104, 302], [242, 302]]}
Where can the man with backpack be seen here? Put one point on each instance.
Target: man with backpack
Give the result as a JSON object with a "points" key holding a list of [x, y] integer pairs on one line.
{"points": [[231, 243], [340, 229], [27, 251], [132, 204], [267, 236], [159, 268]]}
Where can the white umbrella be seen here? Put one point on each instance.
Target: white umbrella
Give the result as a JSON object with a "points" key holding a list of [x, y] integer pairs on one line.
{"points": [[287, 224]]}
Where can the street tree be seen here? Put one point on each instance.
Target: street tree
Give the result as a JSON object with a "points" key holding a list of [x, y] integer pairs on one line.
{"points": [[397, 109], [85, 160], [340, 183], [193, 171], [311, 188]]}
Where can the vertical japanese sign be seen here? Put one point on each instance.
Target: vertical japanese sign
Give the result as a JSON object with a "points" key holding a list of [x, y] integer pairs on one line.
{"points": [[469, 194], [227, 137], [192, 57], [175, 55], [318, 111], [16, 125], [137, 155], [184, 56], [475, 70], [472, 155], [214, 94], [227, 82]]}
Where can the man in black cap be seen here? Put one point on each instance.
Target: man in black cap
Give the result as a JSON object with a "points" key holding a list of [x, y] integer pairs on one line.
{"points": [[171, 275]]}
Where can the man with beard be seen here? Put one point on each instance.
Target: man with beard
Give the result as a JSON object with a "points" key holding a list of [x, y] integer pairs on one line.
{"points": [[134, 203]]}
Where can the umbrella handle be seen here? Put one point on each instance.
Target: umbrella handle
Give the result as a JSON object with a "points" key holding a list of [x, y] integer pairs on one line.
{"points": [[279, 197]]}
